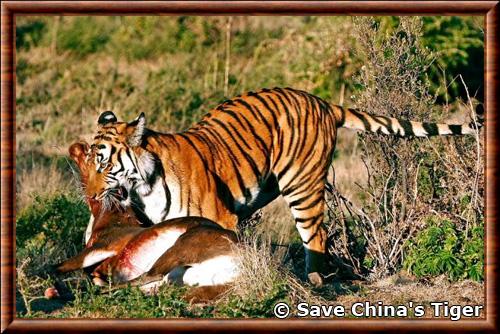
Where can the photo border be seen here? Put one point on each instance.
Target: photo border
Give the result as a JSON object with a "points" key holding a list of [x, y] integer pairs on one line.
{"points": [[10, 9]]}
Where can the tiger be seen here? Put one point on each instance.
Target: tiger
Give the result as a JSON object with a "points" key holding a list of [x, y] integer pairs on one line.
{"points": [[239, 157]]}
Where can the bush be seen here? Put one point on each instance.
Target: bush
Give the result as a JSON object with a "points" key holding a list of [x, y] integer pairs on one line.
{"points": [[407, 178], [457, 43], [30, 33], [47, 232], [441, 248], [61, 219]]}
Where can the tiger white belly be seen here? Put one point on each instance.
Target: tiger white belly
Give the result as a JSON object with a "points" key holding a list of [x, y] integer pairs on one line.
{"points": [[154, 200]]}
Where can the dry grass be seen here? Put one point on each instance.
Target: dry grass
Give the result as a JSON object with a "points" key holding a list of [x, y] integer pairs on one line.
{"points": [[264, 275], [43, 181], [401, 288], [348, 169], [259, 270]]}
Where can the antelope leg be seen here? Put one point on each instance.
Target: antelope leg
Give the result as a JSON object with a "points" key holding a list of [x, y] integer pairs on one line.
{"points": [[85, 258]]}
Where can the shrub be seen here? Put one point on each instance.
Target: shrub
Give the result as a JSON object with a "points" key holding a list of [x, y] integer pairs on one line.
{"points": [[29, 33], [406, 177], [441, 248], [47, 231], [61, 219], [458, 44]]}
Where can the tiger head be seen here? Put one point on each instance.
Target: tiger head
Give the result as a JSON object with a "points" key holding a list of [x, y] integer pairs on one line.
{"points": [[119, 162]]}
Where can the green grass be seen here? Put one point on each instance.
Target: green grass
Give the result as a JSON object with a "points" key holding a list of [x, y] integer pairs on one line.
{"points": [[91, 302], [58, 218]]}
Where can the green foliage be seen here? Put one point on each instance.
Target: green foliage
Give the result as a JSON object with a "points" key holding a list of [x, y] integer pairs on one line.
{"points": [[127, 303], [443, 249], [61, 218], [22, 70], [473, 254], [92, 301], [457, 43], [82, 36], [425, 182], [147, 37], [30, 33], [430, 178]]}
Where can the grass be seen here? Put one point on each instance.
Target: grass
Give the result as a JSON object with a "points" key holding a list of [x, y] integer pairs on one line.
{"points": [[175, 69]]}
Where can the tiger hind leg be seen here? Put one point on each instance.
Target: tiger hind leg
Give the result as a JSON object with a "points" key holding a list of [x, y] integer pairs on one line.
{"points": [[307, 203]]}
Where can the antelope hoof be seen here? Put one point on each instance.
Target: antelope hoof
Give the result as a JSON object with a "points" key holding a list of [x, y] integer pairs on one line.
{"points": [[99, 281], [49, 270], [315, 279]]}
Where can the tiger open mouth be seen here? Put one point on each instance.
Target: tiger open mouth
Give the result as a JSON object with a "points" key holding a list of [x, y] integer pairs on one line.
{"points": [[119, 193]]}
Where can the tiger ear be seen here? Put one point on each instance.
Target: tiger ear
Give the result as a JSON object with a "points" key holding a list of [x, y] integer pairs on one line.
{"points": [[135, 130], [107, 117]]}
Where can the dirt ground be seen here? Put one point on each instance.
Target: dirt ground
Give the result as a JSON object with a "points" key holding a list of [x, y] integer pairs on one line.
{"points": [[403, 289]]}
